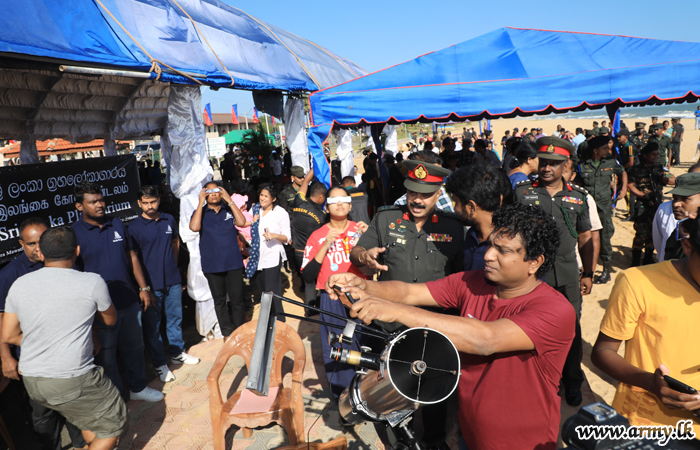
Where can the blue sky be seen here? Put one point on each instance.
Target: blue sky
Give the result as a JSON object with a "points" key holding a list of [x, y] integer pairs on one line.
{"points": [[380, 33]]}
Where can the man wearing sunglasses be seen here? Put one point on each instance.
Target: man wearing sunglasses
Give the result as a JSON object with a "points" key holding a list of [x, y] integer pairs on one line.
{"points": [[655, 310]]}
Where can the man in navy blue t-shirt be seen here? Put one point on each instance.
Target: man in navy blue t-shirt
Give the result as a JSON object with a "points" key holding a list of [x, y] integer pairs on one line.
{"points": [[154, 237], [105, 249]]}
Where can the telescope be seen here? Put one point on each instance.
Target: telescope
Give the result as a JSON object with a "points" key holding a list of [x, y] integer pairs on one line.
{"points": [[417, 366]]}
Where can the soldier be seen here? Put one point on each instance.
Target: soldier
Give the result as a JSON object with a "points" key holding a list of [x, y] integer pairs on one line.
{"points": [[639, 139], [603, 131], [567, 203], [654, 121], [415, 243], [646, 182], [596, 128], [286, 198], [583, 152], [676, 139], [664, 143], [598, 174]]}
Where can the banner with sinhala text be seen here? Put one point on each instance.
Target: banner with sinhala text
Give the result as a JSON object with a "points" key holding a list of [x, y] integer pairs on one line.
{"points": [[46, 190]]}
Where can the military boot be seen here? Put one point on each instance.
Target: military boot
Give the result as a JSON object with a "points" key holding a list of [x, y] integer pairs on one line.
{"points": [[648, 256], [605, 275], [636, 257]]}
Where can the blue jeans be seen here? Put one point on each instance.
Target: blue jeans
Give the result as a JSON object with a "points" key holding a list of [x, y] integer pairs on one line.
{"points": [[168, 300], [697, 122], [125, 338]]}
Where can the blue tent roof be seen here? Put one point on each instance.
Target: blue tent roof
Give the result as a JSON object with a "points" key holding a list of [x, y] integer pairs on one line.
{"points": [[517, 72], [511, 72], [258, 55]]}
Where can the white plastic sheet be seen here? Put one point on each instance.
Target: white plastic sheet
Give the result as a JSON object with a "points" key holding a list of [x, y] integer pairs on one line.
{"points": [[344, 152], [110, 147], [391, 145], [294, 122], [370, 141], [188, 171]]}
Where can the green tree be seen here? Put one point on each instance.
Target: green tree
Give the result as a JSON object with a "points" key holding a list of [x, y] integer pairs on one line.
{"points": [[257, 151]]}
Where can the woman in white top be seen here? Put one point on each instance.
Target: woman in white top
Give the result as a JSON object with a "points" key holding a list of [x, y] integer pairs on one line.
{"points": [[273, 232]]}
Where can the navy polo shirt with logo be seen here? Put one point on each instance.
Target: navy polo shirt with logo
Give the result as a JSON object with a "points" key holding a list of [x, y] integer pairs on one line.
{"points": [[105, 251], [218, 241], [153, 239], [15, 269]]}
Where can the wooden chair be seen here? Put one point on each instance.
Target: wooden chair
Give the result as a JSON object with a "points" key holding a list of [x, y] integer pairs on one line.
{"points": [[339, 443], [287, 408], [3, 429]]}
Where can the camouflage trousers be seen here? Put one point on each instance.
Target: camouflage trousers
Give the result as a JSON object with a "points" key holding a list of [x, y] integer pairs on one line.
{"points": [[643, 237]]}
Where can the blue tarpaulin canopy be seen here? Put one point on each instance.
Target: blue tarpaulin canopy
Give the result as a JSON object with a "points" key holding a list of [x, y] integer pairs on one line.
{"points": [[512, 72], [257, 55], [88, 69]]}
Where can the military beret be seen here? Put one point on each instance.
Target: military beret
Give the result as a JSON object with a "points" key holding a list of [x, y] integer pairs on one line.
{"points": [[598, 142], [650, 147], [687, 184], [551, 147], [297, 171], [423, 177]]}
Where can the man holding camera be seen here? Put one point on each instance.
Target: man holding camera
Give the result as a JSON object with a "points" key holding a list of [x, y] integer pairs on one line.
{"points": [[646, 181]]}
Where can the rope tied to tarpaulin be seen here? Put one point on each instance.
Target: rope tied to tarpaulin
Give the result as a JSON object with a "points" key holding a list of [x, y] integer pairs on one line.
{"points": [[155, 63], [205, 40]]}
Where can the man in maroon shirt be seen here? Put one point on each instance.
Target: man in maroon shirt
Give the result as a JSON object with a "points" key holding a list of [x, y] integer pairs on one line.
{"points": [[513, 333]]}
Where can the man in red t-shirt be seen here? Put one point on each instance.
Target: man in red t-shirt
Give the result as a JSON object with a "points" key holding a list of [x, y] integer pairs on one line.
{"points": [[513, 334]]}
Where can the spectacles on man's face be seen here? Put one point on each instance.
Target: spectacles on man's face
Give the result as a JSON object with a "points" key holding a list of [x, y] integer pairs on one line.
{"points": [[211, 191], [681, 232]]}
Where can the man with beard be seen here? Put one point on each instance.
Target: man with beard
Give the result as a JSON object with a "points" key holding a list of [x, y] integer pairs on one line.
{"points": [[105, 249], [477, 192], [415, 243], [567, 204], [685, 204]]}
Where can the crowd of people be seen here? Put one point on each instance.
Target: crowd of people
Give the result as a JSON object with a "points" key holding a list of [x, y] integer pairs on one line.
{"points": [[495, 251]]}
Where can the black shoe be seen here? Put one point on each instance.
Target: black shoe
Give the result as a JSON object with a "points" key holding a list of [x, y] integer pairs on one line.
{"points": [[573, 397], [604, 277]]}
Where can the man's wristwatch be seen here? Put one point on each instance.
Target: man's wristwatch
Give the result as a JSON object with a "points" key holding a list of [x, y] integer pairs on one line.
{"points": [[587, 275], [147, 288]]}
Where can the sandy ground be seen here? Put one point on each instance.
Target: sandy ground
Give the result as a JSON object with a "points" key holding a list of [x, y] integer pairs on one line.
{"points": [[599, 387]]}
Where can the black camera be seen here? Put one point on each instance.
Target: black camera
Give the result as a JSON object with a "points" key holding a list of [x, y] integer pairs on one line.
{"points": [[587, 431]]}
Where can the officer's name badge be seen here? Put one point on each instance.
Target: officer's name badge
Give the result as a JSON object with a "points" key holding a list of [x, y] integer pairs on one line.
{"points": [[435, 237], [572, 200]]}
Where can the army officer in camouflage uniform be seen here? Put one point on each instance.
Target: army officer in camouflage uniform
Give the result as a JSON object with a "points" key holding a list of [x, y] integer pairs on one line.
{"points": [[567, 204], [646, 182], [599, 173]]}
